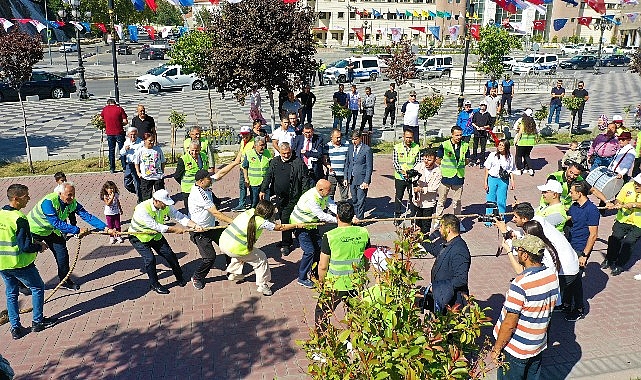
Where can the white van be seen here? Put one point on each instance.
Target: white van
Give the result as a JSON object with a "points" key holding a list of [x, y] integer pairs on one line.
{"points": [[433, 66], [536, 64], [365, 68]]}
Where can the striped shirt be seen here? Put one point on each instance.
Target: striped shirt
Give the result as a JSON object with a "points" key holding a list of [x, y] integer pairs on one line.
{"points": [[337, 156], [532, 295]]}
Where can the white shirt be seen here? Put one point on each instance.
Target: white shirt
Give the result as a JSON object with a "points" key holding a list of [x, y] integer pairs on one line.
{"points": [[281, 136], [410, 116], [130, 147], [200, 201], [113, 209], [429, 183], [322, 215], [625, 160], [141, 215], [493, 163], [492, 104]]}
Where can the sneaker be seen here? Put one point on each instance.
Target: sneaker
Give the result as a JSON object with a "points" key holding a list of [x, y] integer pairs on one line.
{"points": [[306, 283], [605, 264], [120, 240], [236, 277], [517, 172], [18, 332], [265, 290], [284, 251], [198, 284], [112, 240], [530, 172], [574, 316], [44, 324], [239, 208], [70, 285], [462, 228], [616, 271]]}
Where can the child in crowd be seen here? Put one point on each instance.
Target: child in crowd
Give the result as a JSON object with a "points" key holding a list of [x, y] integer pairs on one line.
{"points": [[110, 195], [573, 154]]}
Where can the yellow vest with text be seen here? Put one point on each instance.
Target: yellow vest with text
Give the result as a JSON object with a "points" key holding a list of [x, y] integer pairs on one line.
{"points": [[38, 223], [629, 215], [406, 160], [10, 255], [139, 226], [302, 212], [557, 208], [450, 167], [257, 166], [191, 167], [234, 238], [346, 245]]}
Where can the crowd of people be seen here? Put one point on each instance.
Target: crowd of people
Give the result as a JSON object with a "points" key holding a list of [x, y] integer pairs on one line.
{"points": [[289, 180]]}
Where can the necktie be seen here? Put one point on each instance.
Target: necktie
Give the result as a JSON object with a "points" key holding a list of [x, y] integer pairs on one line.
{"points": [[305, 159]]}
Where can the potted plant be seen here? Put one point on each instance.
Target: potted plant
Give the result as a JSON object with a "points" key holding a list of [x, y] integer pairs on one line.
{"points": [[177, 121], [429, 107], [99, 123]]}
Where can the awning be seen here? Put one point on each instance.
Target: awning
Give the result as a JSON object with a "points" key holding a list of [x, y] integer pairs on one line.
{"points": [[320, 29]]}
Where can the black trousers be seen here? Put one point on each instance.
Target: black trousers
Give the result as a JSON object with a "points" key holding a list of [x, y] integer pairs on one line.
{"points": [[391, 111], [636, 169], [620, 243], [480, 139], [423, 224], [506, 98], [285, 207], [579, 115], [522, 157], [565, 282], [573, 295], [204, 242], [162, 248], [400, 187], [147, 187], [366, 119]]}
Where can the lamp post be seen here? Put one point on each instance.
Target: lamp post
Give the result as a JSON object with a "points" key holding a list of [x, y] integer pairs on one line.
{"points": [[48, 34], [466, 33], [602, 24], [114, 58], [82, 84], [364, 33]]}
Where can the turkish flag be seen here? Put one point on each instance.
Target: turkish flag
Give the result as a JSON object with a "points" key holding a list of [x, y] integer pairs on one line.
{"points": [[359, 33], [506, 5], [101, 26], [597, 5], [539, 25], [475, 31], [214, 2], [150, 30], [151, 4], [585, 21]]}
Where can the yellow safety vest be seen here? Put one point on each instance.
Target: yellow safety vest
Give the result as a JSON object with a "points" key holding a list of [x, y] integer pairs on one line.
{"points": [[204, 144], [10, 255], [302, 212], [527, 140], [234, 238], [557, 208], [407, 160], [346, 245], [565, 198], [629, 215], [191, 167], [38, 223], [157, 215], [451, 168], [257, 166]]}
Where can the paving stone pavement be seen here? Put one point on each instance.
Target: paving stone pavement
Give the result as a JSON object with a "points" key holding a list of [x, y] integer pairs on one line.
{"points": [[63, 125], [115, 329]]}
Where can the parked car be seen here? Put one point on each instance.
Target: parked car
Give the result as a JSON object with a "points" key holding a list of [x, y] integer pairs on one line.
{"points": [[536, 64], [43, 84], [381, 61], [168, 77], [124, 49], [579, 62], [629, 50], [433, 66], [569, 50], [615, 60], [68, 47], [365, 68], [587, 48], [508, 62], [151, 53], [610, 49]]}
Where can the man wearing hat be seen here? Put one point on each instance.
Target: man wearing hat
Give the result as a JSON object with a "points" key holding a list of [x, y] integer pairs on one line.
{"points": [[464, 120], [626, 230], [521, 330], [507, 93], [147, 221], [246, 143], [603, 147], [623, 160], [409, 110], [551, 209]]}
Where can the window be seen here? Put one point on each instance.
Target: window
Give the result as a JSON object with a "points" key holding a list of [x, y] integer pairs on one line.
{"points": [[171, 72], [39, 77], [447, 61], [341, 14], [322, 15], [367, 63], [334, 36]]}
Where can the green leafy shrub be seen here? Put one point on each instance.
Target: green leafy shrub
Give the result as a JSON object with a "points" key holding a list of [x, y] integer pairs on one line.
{"points": [[340, 111], [572, 102]]}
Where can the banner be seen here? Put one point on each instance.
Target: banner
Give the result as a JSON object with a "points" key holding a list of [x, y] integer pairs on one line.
{"points": [[118, 28], [597, 5], [39, 26], [152, 4], [397, 33], [150, 30], [436, 31], [454, 32], [539, 25], [133, 33], [585, 21], [359, 33], [475, 31], [418, 28], [101, 26], [632, 16], [559, 23]]}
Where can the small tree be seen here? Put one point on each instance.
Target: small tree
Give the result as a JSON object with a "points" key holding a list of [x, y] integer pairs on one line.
{"points": [[177, 121], [541, 114], [18, 53], [429, 107], [400, 67], [635, 62], [573, 104], [555, 39], [494, 44]]}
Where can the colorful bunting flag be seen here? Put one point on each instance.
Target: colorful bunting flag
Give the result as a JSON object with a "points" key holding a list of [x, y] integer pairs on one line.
{"points": [[376, 13], [150, 30], [53, 24], [585, 21], [520, 4], [60, 23], [133, 33], [152, 4], [77, 25], [475, 31], [436, 31], [612, 19], [187, 3], [454, 32], [118, 28], [418, 28], [39, 26], [408, 14], [632, 16], [440, 14], [396, 33], [86, 25], [539, 25], [432, 14], [6, 24], [597, 5], [631, 2], [518, 26], [425, 14], [101, 26], [398, 14], [139, 5], [22, 20], [559, 23], [447, 14], [416, 14], [359, 33], [214, 2], [506, 5], [536, 2]]}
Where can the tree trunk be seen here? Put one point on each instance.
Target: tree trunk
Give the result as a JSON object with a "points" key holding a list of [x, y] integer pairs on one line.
{"points": [[270, 94], [211, 109], [26, 136], [101, 156], [173, 143]]}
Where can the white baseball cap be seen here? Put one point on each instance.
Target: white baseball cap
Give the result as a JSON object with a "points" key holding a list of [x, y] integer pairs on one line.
{"points": [[617, 118], [551, 185], [528, 112], [163, 196], [245, 130], [637, 179]]}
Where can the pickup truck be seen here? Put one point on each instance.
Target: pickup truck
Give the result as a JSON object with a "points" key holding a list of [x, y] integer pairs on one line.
{"points": [[167, 77]]}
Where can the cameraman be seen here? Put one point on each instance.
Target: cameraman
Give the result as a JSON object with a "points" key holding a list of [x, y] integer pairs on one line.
{"points": [[405, 156]]}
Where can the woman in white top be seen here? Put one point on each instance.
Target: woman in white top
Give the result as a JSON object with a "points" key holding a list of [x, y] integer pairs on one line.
{"points": [[426, 188], [624, 159], [499, 168]]}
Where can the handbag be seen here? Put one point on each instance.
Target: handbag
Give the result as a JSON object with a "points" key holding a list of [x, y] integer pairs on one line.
{"points": [[504, 174]]}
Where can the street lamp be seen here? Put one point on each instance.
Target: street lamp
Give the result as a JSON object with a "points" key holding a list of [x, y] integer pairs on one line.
{"points": [[602, 24], [63, 15], [466, 33], [349, 11], [364, 33], [82, 84], [114, 58]]}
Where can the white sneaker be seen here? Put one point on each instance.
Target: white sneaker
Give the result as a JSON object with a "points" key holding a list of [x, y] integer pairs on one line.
{"points": [[265, 290], [235, 277], [120, 239], [112, 240], [530, 172], [517, 172], [637, 277]]}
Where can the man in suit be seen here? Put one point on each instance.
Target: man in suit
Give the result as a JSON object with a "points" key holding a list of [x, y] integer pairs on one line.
{"points": [[309, 148], [358, 172], [450, 270]]}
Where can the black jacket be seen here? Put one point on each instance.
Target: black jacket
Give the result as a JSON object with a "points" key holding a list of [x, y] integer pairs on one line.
{"points": [[450, 270], [298, 178]]}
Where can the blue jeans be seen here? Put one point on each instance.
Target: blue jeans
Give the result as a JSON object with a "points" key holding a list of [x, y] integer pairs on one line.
{"points": [[111, 142], [132, 175], [309, 241], [497, 192], [58, 245], [306, 115], [338, 123], [254, 192], [600, 161], [243, 190], [30, 277], [521, 369], [554, 108]]}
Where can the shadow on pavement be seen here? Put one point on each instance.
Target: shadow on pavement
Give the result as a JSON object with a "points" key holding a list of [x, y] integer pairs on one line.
{"points": [[13, 147]]}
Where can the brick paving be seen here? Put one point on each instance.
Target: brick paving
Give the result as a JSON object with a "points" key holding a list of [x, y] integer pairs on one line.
{"points": [[115, 329]]}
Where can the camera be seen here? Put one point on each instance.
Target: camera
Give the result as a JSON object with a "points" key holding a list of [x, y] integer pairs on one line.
{"points": [[491, 213], [412, 175]]}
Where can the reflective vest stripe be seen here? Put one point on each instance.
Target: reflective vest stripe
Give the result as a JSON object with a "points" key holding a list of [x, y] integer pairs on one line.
{"points": [[234, 238], [527, 140], [347, 245], [257, 166], [10, 255], [302, 212]]}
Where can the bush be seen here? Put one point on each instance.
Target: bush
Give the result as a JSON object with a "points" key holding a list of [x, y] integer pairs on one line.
{"points": [[555, 39], [591, 40], [390, 336]]}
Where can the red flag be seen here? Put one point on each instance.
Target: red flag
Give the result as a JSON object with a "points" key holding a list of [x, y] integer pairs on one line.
{"points": [[359, 33], [150, 30], [537, 2], [506, 5], [151, 4], [60, 23], [597, 5], [101, 26], [585, 21], [419, 28], [475, 31], [539, 25], [288, 1], [214, 2]]}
